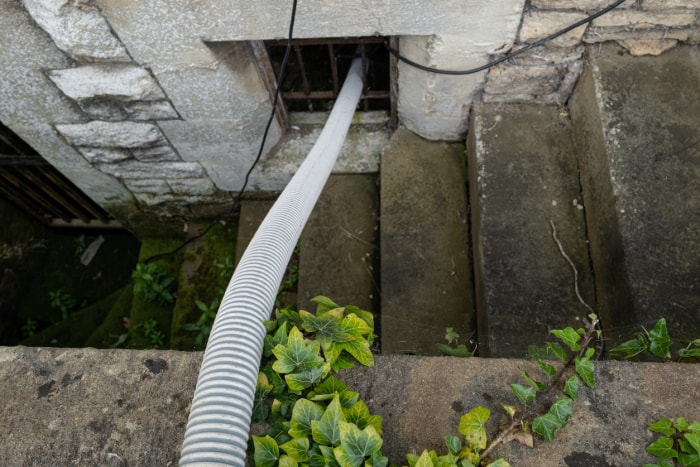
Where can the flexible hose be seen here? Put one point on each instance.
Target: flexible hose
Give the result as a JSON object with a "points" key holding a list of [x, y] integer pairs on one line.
{"points": [[219, 420]]}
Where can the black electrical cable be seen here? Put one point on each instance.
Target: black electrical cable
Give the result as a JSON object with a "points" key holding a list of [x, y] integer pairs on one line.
{"points": [[237, 200], [493, 63]]}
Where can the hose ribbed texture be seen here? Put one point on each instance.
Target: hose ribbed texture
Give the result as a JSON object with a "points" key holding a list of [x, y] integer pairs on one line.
{"points": [[219, 421]]}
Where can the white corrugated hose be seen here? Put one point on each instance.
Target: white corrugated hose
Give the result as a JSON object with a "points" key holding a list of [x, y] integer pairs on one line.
{"points": [[219, 420]]}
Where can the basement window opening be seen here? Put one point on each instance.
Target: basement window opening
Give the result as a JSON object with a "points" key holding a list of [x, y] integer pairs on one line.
{"points": [[317, 68]]}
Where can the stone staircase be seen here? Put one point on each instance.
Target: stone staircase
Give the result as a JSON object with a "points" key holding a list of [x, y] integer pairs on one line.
{"points": [[461, 237], [617, 174]]}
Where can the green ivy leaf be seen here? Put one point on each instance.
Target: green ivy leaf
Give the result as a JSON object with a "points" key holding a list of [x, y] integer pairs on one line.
{"points": [[571, 387], [262, 389], [364, 315], [688, 353], [287, 461], [303, 413], [451, 335], [585, 369], [326, 327], [536, 385], [454, 445], [659, 340], [526, 395], [359, 415], [557, 350], [680, 424], [324, 304], [266, 451], [327, 389], [377, 460], [297, 449], [472, 426], [297, 355], [694, 441], [356, 444], [568, 336], [303, 380], [631, 348], [546, 367], [425, 460], [546, 425], [459, 351], [499, 463], [326, 431], [663, 426], [510, 409], [562, 410], [662, 447], [694, 427], [661, 463]]}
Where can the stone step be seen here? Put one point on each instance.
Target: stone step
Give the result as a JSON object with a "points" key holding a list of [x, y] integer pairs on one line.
{"points": [[338, 248], [637, 125], [129, 407], [426, 281], [522, 175]]}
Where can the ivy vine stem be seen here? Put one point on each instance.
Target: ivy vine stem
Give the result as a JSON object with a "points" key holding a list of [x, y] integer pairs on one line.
{"points": [[591, 330]]}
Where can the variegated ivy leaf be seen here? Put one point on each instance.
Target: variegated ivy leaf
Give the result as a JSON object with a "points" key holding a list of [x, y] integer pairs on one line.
{"points": [[297, 449], [472, 426], [297, 355], [303, 380], [327, 327], [324, 304], [356, 444], [266, 451], [326, 431], [359, 415], [303, 413]]}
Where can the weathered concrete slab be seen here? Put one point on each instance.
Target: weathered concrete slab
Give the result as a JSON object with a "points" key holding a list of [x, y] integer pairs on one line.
{"points": [[338, 248], [253, 212], [637, 121], [123, 407], [426, 273], [522, 174]]}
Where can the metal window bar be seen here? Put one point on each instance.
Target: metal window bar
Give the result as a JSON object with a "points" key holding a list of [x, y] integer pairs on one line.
{"points": [[317, 84], [36, 187]]}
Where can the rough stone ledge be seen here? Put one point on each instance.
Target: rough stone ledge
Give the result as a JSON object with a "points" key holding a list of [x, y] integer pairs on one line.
{"points": [[126, 407]]}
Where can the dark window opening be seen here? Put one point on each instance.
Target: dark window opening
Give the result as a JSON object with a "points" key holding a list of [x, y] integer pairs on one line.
{"points": [[317, 68], [36, 187]]}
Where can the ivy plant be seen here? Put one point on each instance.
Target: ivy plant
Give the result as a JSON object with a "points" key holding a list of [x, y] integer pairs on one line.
{"points": [[658, 342], [679, 445], [153, 283], [313, 418]]}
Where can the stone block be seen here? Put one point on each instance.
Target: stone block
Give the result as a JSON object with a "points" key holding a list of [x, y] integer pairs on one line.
{"points": [[597, 35], [338, 248], [578, 4], [663, 5], [166, 170], [540, 24], [130, 407], [160, 153], [104, 155], [640, 47], [192, 186], [426, 279], [152, 186], [112, 134], [522, 174], [639, 161], [151, 110], [646, 19], [77, 29], [529, 80], [107, 81]]}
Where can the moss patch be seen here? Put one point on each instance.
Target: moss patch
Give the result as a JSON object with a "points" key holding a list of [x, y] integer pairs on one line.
{"points": [[143, 311], [108, 333], [202, 280]]}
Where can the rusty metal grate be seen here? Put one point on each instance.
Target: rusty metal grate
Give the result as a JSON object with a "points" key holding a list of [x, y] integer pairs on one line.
{"points": [[317, 68], [37, 188]]}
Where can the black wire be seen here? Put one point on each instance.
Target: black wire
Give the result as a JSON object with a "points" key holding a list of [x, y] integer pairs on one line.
{"points": [[540, 42], [237, 200]]}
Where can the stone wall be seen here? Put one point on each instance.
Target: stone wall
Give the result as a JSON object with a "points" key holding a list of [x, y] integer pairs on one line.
{"points": [[162, 106], [548, 74]]}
